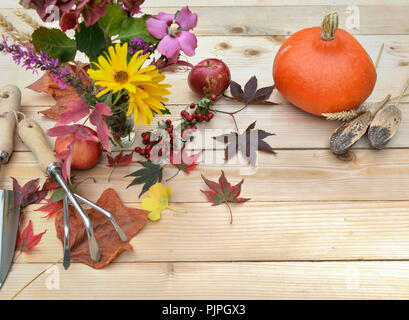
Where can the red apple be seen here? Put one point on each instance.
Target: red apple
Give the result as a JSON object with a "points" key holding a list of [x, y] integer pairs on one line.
{"points": [[209, 76], [86, 153]]}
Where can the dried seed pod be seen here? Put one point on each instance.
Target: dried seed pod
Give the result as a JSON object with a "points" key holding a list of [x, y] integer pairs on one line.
{"points": [[386, 122], [384, 126], [349, 132]]}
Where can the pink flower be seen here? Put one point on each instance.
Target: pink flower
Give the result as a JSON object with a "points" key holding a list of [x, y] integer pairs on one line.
{"points": [[174, 32]]}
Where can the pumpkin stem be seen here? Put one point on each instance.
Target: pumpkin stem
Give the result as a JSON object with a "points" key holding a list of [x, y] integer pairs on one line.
{"points": [[329, 26]]}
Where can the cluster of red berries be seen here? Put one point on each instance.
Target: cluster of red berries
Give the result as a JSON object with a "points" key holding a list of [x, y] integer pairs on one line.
{"points": [[162, 147], [165, 147], [146, 140], [199, 117]]}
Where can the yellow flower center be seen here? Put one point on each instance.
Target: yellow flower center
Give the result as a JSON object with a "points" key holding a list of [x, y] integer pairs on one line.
{"points": [[174, 27], [121, 77]]}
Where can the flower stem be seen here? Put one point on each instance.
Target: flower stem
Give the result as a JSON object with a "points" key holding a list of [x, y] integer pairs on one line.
{"points": [[231, 213], [120, 94], [34, 279], [177, 210], [232, 115], [177, 172]]}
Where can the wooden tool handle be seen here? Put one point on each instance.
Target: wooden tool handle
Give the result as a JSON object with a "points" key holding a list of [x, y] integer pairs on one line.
{"points": [[10, 100], [34, 138]]}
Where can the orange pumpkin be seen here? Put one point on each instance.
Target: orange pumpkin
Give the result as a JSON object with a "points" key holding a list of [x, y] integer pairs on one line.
{"points": [[324, 70]]}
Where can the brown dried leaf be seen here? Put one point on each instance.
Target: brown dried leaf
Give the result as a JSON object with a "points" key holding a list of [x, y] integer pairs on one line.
{"points": [[131, 221], [46, 84]]}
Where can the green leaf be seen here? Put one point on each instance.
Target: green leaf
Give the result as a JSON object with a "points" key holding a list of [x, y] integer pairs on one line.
{"points": [[148, 176], [91, 40], [166, 111], [135, 27], [59, 194], [113, 19], [55, 43]]}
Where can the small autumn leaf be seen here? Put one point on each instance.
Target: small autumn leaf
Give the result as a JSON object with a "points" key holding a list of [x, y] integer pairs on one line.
{"points": [[51, 207], [248, 143], [250, 94], [223, 192], [185, 162], [157, 200], [31, 192], [150, 174], [120, 160], [26, 239]]}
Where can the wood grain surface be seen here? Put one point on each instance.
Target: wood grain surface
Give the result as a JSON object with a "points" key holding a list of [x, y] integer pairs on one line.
{"points": [[316, 227]]}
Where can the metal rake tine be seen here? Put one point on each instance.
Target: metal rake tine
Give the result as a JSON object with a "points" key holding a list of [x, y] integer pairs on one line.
{"points": [[66, 261], [92, 240], [106, 213]]}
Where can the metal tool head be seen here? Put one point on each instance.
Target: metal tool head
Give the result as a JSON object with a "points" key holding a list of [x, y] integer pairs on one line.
{"points": [[9, 220]]}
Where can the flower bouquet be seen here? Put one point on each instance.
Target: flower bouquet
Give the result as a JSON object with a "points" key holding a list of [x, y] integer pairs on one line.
{"points": [[120, 80]]}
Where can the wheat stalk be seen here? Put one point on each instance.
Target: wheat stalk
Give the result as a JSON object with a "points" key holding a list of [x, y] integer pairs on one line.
{"points": [[346, 115], [9, 28], [27, 19]]}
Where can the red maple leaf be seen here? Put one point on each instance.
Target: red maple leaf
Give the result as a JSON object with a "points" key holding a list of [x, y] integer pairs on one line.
{"points": [[223, 192], [26, 239], [119, 161], [51, 207], [30, 192], [185, 162], [50, 185]]}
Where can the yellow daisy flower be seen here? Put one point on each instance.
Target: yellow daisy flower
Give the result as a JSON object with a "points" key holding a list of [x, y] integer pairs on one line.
{"points": [[148, 96], [115, 73]]}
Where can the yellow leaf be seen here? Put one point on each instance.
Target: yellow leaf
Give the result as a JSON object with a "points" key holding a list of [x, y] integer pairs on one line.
{"points": [[157, 200]]}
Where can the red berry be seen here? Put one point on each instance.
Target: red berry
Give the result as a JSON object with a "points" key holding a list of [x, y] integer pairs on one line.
{"points": [[143, 134], [199, 117], [210, 115], [189, 118], [148, 147], [168, 122], [213, 97], [170, 129], [192, 106], [137, 149]]}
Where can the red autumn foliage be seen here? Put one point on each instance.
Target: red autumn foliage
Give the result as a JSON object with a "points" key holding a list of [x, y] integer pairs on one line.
{"points": [[62, 97], [26, 239], [51, 207]]}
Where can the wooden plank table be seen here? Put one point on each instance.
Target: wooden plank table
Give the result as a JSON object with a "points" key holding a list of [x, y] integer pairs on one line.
{"points": [[316, 227]]}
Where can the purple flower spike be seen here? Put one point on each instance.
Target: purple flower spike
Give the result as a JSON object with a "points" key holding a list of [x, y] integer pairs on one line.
{"points": [[26, 56]]}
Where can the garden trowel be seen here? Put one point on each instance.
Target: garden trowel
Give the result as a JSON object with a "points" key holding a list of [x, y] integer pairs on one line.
{"points": [[10, 99]]}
